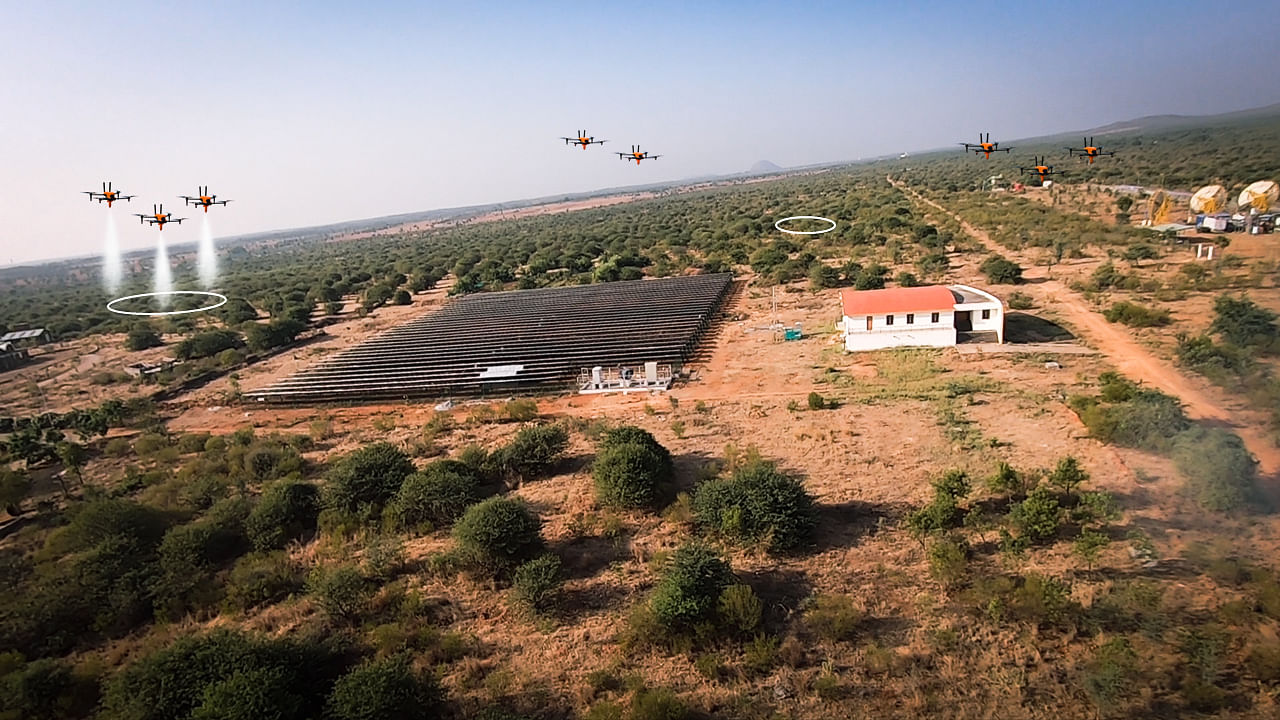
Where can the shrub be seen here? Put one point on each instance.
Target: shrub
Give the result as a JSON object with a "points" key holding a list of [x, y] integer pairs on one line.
{"points": [[537, 582], [1068, 474], [1220, 472], [1042, 600], [1001, 271], [1263, 661], [757, 504], [944, 511], [341, 592], [533, 451], [1020, 301], [1007, 480], [1089, 545], [740, 609], [262, 579], [871, 278], [286, 511], [1244, 323], [521, 410], [629, 434], [834, 618], [207, 344], [141, 337], [658, 704], [949, 561], [436, 496], [1135, 315], [386, 688], [363, 481], [816, 402], [1037, 518], [690, 589], [383, 558], [1112, 674], [499, 533], [630, 474]]}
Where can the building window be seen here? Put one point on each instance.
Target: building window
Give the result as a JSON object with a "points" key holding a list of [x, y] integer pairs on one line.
{"points": [[933, 317], [888, 319], [911, 319], [868, 322], [986, 314]]}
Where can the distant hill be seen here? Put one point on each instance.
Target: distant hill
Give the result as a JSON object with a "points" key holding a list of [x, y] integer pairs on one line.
{"points": [[1163, 122], [764, 166]]}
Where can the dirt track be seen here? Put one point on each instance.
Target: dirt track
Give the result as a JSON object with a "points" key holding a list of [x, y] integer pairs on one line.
{"points": [[1130, 358]]}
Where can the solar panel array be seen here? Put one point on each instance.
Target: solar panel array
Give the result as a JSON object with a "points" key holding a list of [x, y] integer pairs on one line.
{"points": [[21, 334], [497, 342]]}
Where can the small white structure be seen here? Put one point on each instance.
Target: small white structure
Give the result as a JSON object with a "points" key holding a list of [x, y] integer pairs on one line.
{"points": [[624, 379], [929, 316]]}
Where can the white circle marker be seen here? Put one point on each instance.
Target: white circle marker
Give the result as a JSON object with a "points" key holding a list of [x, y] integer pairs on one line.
{"points": [[804, 232], [223, 301]]}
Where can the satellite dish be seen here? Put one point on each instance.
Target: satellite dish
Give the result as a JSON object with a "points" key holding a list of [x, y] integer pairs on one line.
{"points": [[1259, 196], [1209, 199]]}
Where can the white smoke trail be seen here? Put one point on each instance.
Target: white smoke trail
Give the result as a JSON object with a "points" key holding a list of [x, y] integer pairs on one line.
{"points": [[208, 260], [164, 277], [112, 271]]}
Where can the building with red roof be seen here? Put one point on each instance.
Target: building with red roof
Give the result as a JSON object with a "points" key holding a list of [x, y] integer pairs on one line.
{"points": [[924, 316]]}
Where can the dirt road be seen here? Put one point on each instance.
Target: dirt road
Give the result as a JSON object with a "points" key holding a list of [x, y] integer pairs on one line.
{"points": [[1131, 359]]}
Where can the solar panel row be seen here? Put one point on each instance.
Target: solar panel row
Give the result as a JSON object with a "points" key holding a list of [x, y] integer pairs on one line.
{"points": [[496, 342]]}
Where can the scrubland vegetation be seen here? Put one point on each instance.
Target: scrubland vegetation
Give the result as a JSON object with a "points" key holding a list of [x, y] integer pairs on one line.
{"points": [[383, 571]]}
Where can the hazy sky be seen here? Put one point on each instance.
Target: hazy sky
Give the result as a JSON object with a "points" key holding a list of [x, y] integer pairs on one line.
{"points": [[313, 112]]}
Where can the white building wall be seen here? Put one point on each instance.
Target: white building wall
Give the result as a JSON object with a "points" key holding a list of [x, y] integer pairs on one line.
{"points": [[920, 333]]}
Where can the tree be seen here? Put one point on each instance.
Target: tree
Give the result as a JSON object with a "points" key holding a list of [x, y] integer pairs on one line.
{"points": [[381, 689], [437, 495], [141, 337], [533, 451], [287, 510], [690, 589], [1068, 474], [341, 591], [757, 504], [1243, 322], [629, 475], [237, 311], [73, 457], [402, 297], [499, 534], [1001, 271], [14, 488], [363, 481]]}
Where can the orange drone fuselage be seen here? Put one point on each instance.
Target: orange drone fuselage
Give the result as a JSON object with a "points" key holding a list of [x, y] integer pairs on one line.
{"points": [[584, 142], [206, 201]]}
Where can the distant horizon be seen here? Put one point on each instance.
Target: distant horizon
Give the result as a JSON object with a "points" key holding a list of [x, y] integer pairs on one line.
{"points": [[37, 262], [308, 115]]}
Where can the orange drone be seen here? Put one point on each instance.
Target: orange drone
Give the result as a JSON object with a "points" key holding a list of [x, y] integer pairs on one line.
{"points": [[1040, 170], [158, 217], [204, 199], [583, 139], [637, 155], [107, 195], [1089, 150], [984, 146]]}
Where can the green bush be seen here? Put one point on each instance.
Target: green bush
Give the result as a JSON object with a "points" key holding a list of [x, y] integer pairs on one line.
{"points": [[207, 344], [381, 689], [43, 689], [816, 402], [834, 618], [1221, 473], [1007, 480], [740, 610], [949, 561], [629, 435], [757, 504], [1000, 271], [341, 591], [630, 474], [1112, 674], [1042, 600], [1135, 315], [286, 511], [944, 511], [537, 583], [1020, 301], [1068, 475], [436, 496], [261, 579], [222, 675], [533, 452], [1038, 517], [499, 534], [690, 588], [363, 481], [141, 337], [1244, 323]]}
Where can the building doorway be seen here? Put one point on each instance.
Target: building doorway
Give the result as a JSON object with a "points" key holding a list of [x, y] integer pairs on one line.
{"points": [[868, 322], [964, 320]]}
